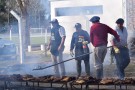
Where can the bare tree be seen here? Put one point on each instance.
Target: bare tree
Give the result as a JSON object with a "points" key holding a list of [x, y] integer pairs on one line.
{"points": [[25, 8], [22, 4]]}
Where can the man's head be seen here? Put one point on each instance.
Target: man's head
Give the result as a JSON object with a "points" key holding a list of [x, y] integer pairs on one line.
{"points": [[78, 26], [120, 22], [95, 19], [54, 22]]}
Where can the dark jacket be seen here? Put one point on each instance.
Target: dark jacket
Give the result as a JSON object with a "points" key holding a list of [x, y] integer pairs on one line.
{"points": [[55, 40], [76, 43]]}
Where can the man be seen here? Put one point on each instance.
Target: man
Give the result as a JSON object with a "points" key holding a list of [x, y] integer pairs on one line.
{"points": [[98, 36], [56, 45], [120, 49], [80, 39]]}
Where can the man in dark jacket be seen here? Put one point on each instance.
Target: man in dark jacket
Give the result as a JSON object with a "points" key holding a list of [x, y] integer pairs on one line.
{"points": [[56, 45], [98, 36], [80, 39]]}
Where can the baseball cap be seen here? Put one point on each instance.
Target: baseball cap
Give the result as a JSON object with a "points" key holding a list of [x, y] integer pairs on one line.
{"points": [[95, 19], [78, 25], [120, 21], [54, 21]]}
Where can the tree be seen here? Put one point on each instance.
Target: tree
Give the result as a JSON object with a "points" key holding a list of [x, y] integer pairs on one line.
{"points": [[3, 16], [25, 8]]}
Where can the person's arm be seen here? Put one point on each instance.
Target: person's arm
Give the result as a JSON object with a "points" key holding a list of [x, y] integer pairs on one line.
{"points": [[62, 41], [91, 35], [63, 37], [87, 37], [114, 33], [48, 47], [72, 43], [126, 33]]}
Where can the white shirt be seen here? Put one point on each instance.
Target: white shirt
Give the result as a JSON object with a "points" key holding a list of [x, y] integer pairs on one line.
{"points": [[123, 35], [62, 31]]}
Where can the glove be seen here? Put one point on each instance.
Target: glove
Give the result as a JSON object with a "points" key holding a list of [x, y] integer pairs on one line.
{"points": [[85, 42], [116, 50], [71, 53]]}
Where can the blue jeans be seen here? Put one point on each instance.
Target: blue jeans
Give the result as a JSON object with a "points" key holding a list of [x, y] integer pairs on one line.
{"points": [[122, 61]]}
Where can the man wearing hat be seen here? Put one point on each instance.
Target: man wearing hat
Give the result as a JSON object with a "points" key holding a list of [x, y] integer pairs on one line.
{"points": [[120, 49], [79, 41], [98, 37], [56, 45]]}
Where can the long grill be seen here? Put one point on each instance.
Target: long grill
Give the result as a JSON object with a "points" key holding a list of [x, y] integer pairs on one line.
{"points": [[28, 82]]}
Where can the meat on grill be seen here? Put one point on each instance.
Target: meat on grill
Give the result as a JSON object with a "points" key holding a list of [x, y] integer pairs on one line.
{"points": [[106, 81], [27, 77], [126, 81], [80, 80], [16, 77], [129, 81], [67, 78]]}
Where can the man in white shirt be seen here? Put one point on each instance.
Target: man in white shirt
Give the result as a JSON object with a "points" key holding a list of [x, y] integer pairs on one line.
{"points": [[120, 49]]}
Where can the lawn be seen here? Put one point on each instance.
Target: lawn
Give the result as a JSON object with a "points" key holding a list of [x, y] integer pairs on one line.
{"points": [[33, 40]]}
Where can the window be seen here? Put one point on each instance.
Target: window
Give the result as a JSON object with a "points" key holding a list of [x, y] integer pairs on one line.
{"points": [[83, 10]]}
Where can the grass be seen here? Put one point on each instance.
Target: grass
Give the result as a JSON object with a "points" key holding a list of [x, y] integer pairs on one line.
{"points": [[33, 40]]}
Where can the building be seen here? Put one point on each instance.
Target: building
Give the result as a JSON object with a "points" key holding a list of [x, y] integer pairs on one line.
{"points": [[130, 19]]}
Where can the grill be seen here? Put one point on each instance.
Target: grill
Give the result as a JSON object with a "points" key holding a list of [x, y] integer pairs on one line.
{"points": [[50, 82]]}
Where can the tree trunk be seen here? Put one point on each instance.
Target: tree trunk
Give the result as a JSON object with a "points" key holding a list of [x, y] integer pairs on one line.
{"points": [[23, 7]]}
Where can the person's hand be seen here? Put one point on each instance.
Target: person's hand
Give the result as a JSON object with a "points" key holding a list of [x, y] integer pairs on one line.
{"points": [[48, 48], [116, 49], [59, 48], [85, 42], [71, 53]]}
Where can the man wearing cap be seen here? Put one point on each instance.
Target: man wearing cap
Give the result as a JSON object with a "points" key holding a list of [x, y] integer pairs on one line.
{"points": [[98, 37], [56, 45], [120, 49], [79, 41]]}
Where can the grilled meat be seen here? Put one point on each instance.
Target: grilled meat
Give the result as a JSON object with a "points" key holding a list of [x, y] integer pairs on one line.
{"points": [[79, 81], [128, 81], [67, 78], [106, 81], [27, 77], [16, 77], [56, 79], [118, 81]]}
